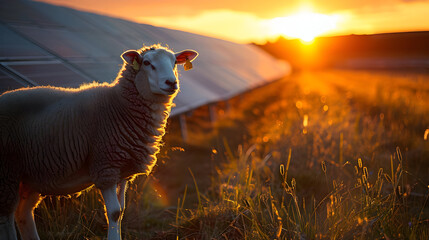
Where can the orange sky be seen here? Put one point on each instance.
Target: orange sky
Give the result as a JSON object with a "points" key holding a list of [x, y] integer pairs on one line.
{"points": [[251, 20]]}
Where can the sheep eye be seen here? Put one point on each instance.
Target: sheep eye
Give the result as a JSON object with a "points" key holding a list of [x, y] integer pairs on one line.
{"points": [[147, 63]]}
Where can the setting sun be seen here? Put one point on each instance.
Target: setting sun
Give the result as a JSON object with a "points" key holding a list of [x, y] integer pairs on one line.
{"points": [[305, 25]]}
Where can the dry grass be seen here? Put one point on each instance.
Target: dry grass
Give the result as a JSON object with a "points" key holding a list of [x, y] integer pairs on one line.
{"points": [[318, 155]]}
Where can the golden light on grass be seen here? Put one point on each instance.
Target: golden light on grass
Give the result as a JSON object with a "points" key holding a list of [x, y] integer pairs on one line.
{"points": [[305, 25], [161, 193], [325, 108], [305, 121], [323, 166], [305, 124], [265, 139]]}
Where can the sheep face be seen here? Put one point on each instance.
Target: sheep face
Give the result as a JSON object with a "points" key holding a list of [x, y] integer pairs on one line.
{"points": [[157, 69], [160, 68]]}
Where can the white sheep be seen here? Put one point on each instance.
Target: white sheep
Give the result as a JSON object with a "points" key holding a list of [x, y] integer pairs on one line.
{"points": [[58, 141]]}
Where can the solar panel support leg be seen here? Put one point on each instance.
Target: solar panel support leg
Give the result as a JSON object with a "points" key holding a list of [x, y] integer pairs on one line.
{"points": [[228, 107]]}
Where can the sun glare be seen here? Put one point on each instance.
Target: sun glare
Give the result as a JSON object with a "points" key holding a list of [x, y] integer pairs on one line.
{"points": [[305, 25]]}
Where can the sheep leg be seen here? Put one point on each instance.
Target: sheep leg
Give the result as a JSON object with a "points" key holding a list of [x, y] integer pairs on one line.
{"points": [[7, 227], [122, 187], [113, 212], [25, 213]]}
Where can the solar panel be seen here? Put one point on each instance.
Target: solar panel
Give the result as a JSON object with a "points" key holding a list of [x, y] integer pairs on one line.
{"points": [[100, 71], [64, 43], [48, 73], [63, 17], [14, 46], [22, 12], [109, 45]]}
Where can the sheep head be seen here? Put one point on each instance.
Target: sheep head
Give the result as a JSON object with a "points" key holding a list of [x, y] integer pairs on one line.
{"points": [[156, 69]]}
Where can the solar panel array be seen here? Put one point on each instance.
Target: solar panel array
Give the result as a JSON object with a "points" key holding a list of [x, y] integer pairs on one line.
{"points": [[43, 44]]}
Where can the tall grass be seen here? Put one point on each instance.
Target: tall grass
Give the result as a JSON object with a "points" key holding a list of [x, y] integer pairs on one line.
{"points": [[322, 165], [357, 206], [322, 155]]}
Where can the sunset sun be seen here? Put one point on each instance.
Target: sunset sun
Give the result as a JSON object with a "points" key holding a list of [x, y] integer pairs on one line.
{"points": [[305, 25]]}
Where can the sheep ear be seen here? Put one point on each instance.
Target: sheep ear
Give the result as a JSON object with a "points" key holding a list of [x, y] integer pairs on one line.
{"points": [[130, 56], [186, 55]]}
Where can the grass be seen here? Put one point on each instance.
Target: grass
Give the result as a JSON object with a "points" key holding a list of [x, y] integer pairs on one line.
{"points": [[317, 155]]}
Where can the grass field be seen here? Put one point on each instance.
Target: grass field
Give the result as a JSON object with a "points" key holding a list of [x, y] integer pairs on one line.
{"points": [[317, 155]]}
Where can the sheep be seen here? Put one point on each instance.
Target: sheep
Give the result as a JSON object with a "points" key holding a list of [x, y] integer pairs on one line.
{"points": [[58, 141]]}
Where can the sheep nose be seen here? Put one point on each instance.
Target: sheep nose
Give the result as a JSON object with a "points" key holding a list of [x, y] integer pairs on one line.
{"points": [[171, 83]]}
